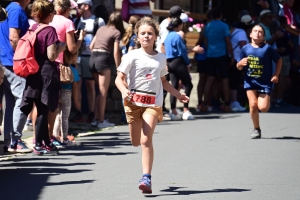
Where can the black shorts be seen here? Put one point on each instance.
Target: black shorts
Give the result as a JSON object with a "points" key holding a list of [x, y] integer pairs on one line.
{"points": [[218, 65], [100, 61], [201, 66]]}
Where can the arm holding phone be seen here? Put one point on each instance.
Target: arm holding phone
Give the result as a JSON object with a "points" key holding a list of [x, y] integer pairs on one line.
{"points": [[73, 45]]}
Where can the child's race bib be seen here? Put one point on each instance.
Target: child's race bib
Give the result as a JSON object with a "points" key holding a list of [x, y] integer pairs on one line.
{"points": [[142, 98]]}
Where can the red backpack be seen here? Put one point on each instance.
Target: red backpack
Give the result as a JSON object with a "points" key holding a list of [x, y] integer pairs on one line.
{"points": [[24, 60]]}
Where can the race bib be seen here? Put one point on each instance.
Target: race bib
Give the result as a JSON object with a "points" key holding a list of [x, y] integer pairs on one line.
{"points": [[142, 98]]}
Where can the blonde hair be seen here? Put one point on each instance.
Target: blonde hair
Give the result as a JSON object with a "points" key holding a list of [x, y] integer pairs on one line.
{"points": [[41, 9], [130, 29], [146, 21], [61, 6]]}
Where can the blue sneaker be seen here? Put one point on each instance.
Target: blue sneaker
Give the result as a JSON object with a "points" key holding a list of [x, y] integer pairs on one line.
{"points": [[145, 185], [19, 147], [58, 143]]}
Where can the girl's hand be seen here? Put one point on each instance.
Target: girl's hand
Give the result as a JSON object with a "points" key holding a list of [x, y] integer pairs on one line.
{"points": [[126, 95], [183, 98], [274, 79]]}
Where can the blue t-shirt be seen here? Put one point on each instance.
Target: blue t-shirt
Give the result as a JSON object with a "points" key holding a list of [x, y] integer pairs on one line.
{"points": [[76, 79], [175, 47], [259, 70], [131, 43], [216, 32], [16, 19], [203, 55]]}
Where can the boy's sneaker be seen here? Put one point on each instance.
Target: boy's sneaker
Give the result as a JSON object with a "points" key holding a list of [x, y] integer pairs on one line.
{"points": [[187, 115], [19, 147], [145, 185], [256, 134], [177, 117], [69, 143], [78, 117], [105, 124], [95, 122]]}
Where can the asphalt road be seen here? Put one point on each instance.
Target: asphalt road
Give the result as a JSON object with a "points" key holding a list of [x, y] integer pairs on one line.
{"points": [[211, 157]]}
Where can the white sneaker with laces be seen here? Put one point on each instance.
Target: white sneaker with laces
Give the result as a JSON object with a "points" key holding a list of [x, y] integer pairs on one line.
{"points": [[94, 122], [105, 124], [187, 115]]}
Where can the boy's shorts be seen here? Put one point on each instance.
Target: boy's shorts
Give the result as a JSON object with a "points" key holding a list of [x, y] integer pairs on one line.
{"points": [[135, 113]]}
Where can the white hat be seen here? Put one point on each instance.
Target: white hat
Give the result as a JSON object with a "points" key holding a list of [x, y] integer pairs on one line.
{"points": [[88, 2], [265, 13], [246, 19], [184, 17]]}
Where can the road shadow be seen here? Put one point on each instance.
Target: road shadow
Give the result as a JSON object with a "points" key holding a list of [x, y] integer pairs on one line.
{"points": [[176, 191], [215, 116], [283, 138], [25, 179]]}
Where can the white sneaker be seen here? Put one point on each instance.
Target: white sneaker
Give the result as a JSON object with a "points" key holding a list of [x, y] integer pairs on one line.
{"points": [[176, 117], [94, 122], [167, 117], [187, 115], [105, 124]]}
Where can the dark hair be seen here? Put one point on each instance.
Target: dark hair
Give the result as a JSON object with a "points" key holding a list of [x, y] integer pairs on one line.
{"points": [[175, 22], [101, 11], [282, 20], [209, 16], [146, 21], [216, 12], [28, 10], [116, 20], [3, 14], [68, 57]]}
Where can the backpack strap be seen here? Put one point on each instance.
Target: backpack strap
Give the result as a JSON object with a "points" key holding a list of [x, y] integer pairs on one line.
{"points": [[76, 22], [41, 27], [96, 25]]}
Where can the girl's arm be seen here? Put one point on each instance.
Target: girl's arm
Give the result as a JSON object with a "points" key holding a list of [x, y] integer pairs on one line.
{"points": [[117, 55], [92, 43], [120, 83], [169, 88], [70, 39], [277, 71]]}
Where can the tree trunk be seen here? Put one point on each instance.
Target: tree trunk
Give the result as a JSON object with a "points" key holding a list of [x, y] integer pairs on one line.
{"points": [[109, 4]]}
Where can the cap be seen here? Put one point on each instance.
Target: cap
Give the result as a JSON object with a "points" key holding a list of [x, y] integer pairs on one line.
{"points": [[184, 17], [88, 2], [247, 20], [175, 11], [265, 13], [73, 4]]}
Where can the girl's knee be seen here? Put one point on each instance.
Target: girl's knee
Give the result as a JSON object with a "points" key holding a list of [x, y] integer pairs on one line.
{"points": [[264, 108], [253, 105]]}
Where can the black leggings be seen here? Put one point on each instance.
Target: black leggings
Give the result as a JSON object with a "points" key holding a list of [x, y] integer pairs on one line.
{"points": [[41, 124], [178, 71]]}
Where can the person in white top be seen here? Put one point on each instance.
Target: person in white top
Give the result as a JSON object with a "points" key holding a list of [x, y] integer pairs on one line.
{"points": [[143, 93], [238, 40]]}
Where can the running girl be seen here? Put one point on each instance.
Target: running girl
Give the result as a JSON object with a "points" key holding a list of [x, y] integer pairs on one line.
{"points": [[145, 69], [257, 59]]}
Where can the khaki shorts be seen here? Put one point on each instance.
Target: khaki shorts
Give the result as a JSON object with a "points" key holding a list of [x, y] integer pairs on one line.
{"points": [[286, 66], [135, 113]]}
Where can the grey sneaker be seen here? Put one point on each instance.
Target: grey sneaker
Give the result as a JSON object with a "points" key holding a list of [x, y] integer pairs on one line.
{"points": [[256, 134]]}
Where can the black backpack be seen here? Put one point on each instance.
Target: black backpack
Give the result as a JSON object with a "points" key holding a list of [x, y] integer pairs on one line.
{"points": [[96, 25]]}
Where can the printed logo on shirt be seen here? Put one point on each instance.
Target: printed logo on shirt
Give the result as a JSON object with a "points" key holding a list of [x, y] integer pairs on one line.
{"points": [[255, 68]]}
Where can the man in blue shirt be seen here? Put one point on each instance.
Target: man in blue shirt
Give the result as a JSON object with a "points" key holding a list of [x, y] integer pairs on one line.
{"points": [[11, 30], [217, 40]]}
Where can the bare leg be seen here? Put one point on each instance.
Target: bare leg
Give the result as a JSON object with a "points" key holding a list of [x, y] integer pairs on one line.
{"points": [[253, 106], [149, 124], [51, 120], [104, 81], [263, 102], [91, 94]]}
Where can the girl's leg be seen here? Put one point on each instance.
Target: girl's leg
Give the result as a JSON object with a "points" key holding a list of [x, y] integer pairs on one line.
{"points": [[65, 113], [96, 108], [253, 106], [263, 102], [135, 129], [51, 120], [148, 126], [175, 83], [104, 81], [91, 97]]}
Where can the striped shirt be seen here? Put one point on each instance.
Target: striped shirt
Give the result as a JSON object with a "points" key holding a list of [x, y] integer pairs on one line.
{"points": [[139, 7]]}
